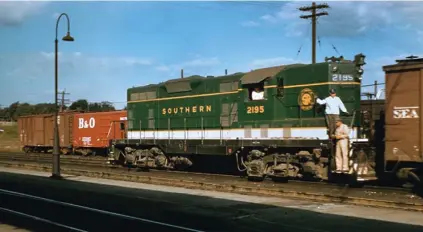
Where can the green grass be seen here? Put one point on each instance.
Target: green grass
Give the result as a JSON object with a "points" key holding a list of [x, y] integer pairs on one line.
{"points": [[9, 139]]}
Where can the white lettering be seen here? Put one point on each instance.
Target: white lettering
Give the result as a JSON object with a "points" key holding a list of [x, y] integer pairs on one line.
{"points": [[83, 124], [342, 77], [92, 122], [86, 141], [406, 112]]}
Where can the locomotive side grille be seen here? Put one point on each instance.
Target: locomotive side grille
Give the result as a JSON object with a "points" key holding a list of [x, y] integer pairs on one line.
{"points": [[234, 113], [224, 115], [151, 121], [264, 130], [247, 131], [130, 119]]}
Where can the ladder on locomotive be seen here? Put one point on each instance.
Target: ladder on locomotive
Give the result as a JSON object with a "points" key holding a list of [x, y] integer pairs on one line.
{"points": [[350, 153]]}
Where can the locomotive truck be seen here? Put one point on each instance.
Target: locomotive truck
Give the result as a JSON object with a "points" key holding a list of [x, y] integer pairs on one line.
{"points": [[282, 135]]}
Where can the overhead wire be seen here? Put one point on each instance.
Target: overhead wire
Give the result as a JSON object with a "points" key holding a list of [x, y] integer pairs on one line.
{"points": [[304, 40], [331, 44]]}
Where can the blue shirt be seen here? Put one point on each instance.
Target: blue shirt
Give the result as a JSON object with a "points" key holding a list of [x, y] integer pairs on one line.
{"points": [[333, 104]]}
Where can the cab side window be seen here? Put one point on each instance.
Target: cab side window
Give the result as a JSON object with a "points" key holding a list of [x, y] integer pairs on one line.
{"points": [[280, 88], [256, 92]]}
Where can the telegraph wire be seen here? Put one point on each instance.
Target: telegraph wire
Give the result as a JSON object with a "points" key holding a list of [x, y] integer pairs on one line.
{"points": [[304, 39]]}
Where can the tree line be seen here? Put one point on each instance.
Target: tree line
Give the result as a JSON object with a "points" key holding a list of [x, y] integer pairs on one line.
{"points": [[17, 109]]}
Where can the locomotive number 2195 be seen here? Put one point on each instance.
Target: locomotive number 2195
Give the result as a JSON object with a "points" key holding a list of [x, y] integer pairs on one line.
{"points": [[255, 109]]}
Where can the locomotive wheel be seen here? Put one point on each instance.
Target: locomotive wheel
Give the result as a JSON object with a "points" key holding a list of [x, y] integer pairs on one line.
{"points": [[279, 179], [256, 178]]}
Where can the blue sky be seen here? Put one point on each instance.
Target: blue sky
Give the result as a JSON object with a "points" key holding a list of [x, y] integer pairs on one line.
{"points": [[123, 44]]}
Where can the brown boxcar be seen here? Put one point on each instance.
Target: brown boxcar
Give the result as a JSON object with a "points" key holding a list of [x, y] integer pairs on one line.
{"points": [[403, 108], [36, 131], [92, 131]]}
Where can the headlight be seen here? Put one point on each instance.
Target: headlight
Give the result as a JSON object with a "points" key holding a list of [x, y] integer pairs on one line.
{"points": [[334, 68]]}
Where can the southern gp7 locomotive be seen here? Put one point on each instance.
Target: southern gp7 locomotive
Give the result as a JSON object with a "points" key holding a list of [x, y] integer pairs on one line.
{"points": [[266, 119]]}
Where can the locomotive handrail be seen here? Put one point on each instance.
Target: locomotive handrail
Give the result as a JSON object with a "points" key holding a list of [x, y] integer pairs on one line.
{"points": [[353, 117]]}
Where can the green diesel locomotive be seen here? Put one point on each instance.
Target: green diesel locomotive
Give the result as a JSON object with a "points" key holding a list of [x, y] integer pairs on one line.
{"points": [[266, 119]]}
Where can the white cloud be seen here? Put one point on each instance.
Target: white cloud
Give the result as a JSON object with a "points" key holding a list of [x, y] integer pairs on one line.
{"points": [[14, 13], [163, 68], [55, 15], [77, 57], [269, 18], [275, 61], [250, 24], [30, 77], [349, 18], [201, 62], [195, 64]]}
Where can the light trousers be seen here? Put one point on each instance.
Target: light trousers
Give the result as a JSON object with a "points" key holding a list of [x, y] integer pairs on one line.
{"points": [[342, 155]]}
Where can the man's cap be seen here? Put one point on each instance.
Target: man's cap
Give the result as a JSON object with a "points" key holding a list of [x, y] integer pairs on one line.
{"points": [[331, 91]]}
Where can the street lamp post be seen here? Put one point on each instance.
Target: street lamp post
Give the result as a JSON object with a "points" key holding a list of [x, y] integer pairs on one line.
{"points": [[56, 142]]}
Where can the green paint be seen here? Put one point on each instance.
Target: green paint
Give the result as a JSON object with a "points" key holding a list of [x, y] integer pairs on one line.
{"points": [[225, 105]]}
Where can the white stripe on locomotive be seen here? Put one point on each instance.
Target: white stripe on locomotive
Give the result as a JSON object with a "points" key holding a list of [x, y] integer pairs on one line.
{"points": [[233, 134]]}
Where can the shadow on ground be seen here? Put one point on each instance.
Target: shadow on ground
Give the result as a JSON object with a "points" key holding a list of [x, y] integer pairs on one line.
{"points": [[206, 213]]}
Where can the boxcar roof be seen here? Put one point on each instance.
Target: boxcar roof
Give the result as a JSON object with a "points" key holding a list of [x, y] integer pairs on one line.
{"points": [[404, 64]]}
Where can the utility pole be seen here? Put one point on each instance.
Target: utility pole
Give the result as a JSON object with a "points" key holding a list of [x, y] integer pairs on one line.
{"points": [[314, 15], [63, 101]]}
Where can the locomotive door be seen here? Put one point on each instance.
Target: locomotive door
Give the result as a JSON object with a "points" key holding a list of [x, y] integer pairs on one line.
{"points": [[255, 110], [228, 110]]}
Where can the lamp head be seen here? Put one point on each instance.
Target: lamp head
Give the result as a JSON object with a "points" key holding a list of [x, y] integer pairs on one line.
{"points": [[68, 37]]}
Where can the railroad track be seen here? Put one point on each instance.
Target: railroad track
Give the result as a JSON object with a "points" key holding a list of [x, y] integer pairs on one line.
{"points": [[368, 195], [87, 161], [48, 156], [15, 203], [91, 162]]}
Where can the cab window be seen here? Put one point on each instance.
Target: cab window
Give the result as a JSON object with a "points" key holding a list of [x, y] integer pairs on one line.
{"points": [[280, 88], [256, 92]]}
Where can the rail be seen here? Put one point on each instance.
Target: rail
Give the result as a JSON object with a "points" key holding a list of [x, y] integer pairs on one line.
{"points": [[119, 215], [70, 228]]}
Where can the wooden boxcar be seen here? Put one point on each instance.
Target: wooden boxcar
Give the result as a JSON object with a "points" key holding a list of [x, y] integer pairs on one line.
{"points": [[403, 124], [81, 133], [92, 131], [36, 131]]}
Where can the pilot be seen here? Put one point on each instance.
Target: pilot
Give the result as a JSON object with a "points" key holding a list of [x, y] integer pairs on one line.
{"points": [[257, 94], [342, 137], [333, 104]]}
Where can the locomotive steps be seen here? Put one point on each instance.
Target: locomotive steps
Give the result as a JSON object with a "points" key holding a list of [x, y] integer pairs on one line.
{"points": [[345, 195]]}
